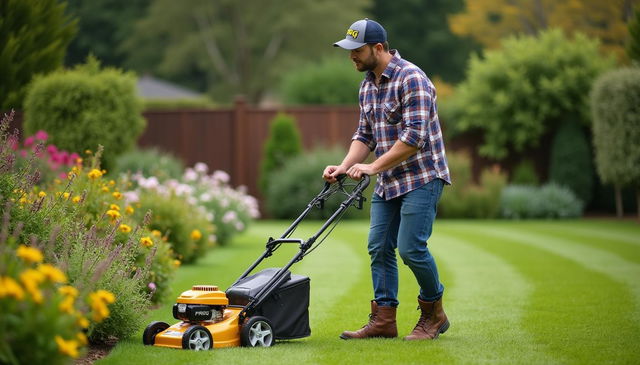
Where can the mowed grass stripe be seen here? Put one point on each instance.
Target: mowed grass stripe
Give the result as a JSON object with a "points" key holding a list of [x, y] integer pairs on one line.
{"points": [[485, 299], [580, 315], [628, 232], [613, 266]]}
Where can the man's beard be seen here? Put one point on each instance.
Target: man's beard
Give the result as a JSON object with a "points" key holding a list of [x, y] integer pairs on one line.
{"points": [[368, 64]]}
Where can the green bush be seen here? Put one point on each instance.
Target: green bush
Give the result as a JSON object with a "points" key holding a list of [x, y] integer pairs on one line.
{"points": [[330, 81], [300, 180], [570, 163], [615, 104], [34, 35], [464, 199], [525, 174], [86, 107], [283, 143], [517, 93], [548, 201], [149, 162]]}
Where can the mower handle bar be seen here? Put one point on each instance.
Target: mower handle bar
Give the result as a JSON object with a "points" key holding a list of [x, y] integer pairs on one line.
{"points": [[273, 244]]}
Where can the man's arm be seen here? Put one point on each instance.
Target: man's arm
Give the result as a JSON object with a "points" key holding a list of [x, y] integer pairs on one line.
{"points": [[358, 152], [398, 153]]}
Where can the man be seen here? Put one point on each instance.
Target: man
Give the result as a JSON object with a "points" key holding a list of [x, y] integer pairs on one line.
{"points": [[399, 122]]}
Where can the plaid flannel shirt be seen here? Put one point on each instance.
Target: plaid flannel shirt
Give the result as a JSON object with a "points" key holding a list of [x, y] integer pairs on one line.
{"points": [[402, 107]]}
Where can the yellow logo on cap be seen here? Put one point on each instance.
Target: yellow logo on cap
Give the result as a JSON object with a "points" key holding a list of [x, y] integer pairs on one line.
{"points": [[353, 33]]}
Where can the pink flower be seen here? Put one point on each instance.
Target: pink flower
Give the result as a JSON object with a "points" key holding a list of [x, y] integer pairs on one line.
{"points": [[42, 135], [73, 158], [51, 149], [63, 157], [62, 175], [28, 142], [152, 286]]}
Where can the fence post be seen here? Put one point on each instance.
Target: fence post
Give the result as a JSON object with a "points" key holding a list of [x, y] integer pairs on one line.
{"points": [[239, 139]]}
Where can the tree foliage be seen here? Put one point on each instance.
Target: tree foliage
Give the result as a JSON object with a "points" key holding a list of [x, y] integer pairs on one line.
{"points": [[103, 25], [333, 80], [419, 30], [615, 104], [231, 47], [34, 35], [516, 94], [633, 46], [571, 159], [488, 21], [282, 144]]}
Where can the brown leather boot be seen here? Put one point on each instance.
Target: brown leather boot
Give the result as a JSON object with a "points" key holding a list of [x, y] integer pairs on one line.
{"points": [[382, 323], [433, 321]]}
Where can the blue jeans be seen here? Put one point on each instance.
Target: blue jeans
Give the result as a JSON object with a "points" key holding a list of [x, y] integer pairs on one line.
{"points": [[405, 223]]}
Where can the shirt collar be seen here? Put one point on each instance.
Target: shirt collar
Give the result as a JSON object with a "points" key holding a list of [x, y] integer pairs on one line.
{"points": [[390, 69]]}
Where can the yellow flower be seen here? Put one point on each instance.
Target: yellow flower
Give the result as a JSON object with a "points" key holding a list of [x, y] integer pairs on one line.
{"points": [[114, 207], [76, 199], [66, 306], [52, 273], [57, 181], [79, 160], [117, 195], [177, 263], [129, 209], [22, 200], [105, 189], [82, 338], [113, 214], [146, 242], [82, 322], [104, 171], [98, 301], [112, 182], [66, 195], [156, 233], [68, 291], [196, 235], [10, 288], [94, 174], [69, 348], [31, 279], [88, 152], [125, 228], [42, 194], [29, 254]]}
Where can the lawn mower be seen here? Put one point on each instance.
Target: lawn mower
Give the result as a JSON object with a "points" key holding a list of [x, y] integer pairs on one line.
{"points": [[257, 309]]}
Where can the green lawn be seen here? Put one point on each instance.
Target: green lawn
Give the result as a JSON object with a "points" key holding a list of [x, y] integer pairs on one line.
{"points": [[516, 292]]}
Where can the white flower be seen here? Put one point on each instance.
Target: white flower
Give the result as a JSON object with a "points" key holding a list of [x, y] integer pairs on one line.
{"points": [[201, 167], [150, 183], [206, 197], [239, 226], [221, 176], [190, 175], [131, 197], [229, 216]]}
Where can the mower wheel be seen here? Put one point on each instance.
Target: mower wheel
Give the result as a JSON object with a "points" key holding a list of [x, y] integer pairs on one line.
{"points": [[149, 335], [197, 338], [257, 332]]}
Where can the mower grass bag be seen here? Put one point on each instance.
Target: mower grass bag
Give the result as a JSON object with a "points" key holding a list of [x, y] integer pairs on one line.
{"points": [[287, 307]]}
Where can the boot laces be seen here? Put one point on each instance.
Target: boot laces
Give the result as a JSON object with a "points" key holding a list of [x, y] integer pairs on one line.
{"points": [[424, 317], [372, 319]]}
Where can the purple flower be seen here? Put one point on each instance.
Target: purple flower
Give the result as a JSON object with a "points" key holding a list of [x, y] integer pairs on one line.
{"points": [[152, 286]]}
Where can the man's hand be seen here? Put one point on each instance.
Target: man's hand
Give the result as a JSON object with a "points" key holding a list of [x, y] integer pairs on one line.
{"points": [[332, 172], [356, 171]]}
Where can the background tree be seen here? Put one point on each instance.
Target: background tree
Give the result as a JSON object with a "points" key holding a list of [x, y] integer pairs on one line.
{"points": [[282, 144], [420, 31], [230, 47], [516, 94], [633, 46], [488, 21], [615, 105], [34, 35], [103, 25]]}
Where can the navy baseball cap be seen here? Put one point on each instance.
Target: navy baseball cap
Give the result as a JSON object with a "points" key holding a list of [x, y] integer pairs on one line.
{"points": [[362, 32]]}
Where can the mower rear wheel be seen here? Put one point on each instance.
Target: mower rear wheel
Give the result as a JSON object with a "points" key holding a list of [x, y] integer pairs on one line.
{"points": [[257, 332], [155, 327], [197, 338]]}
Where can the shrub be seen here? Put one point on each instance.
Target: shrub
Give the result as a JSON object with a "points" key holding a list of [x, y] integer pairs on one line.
{"points": [[549, 201], [149, 162], [330, 81], [34, 35], [525, 174], [300, 180], [43, 318], [517, 93], [464, 199], [615, 104], [570, 164], [85, 107], [282, 143]]}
